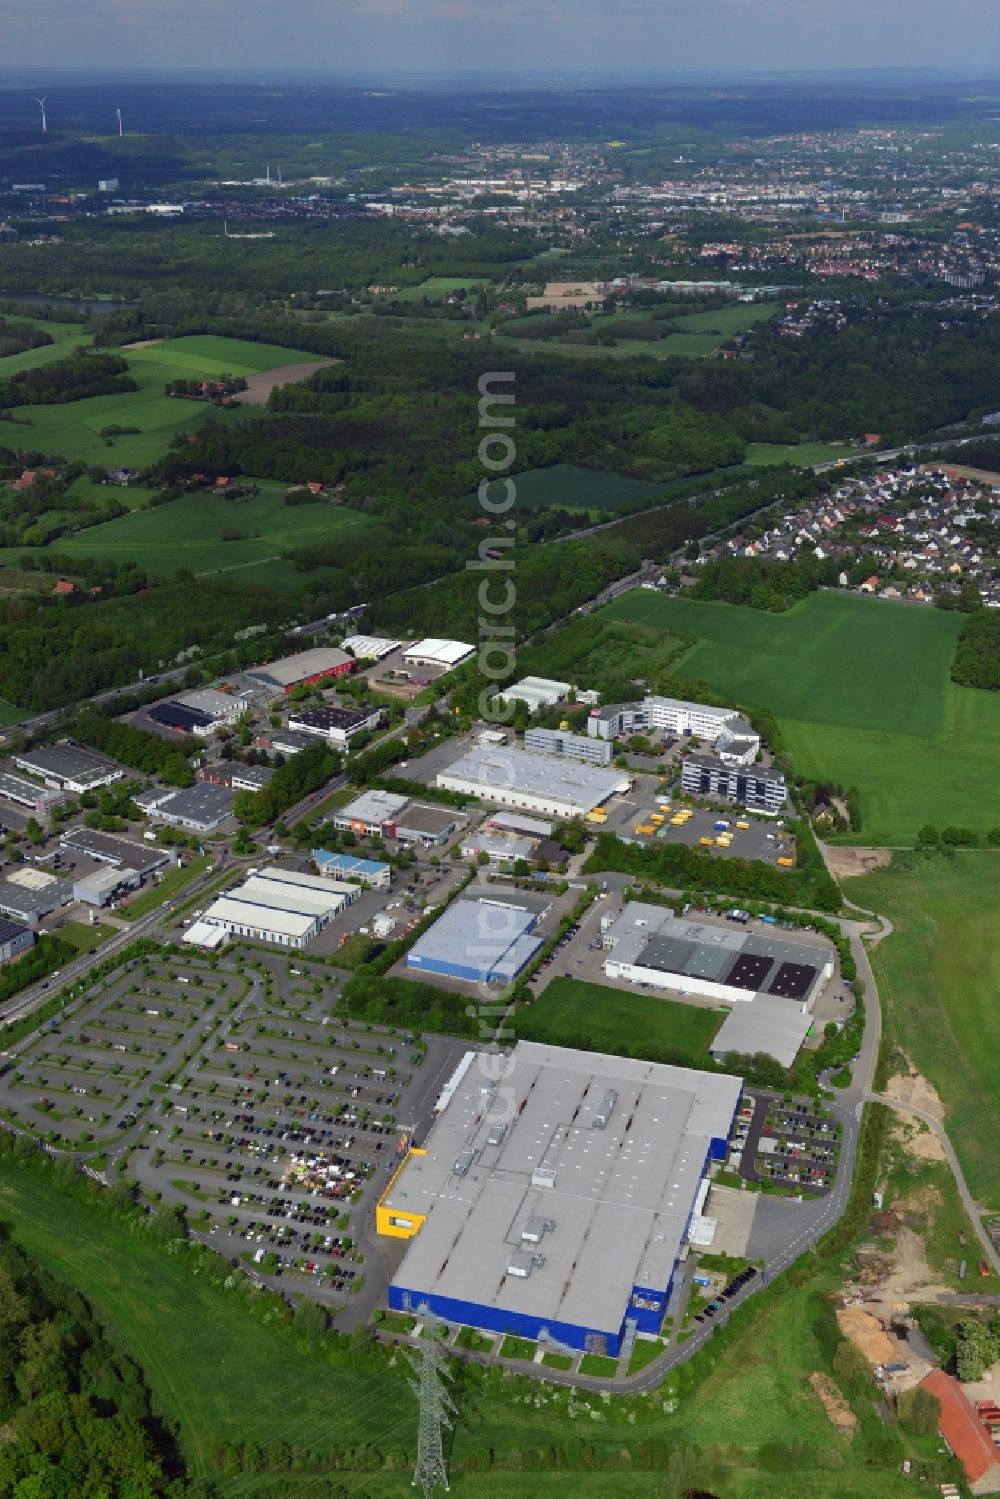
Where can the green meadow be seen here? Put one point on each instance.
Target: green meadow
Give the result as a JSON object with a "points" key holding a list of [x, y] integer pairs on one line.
{"points": [[73, 431], [863, 693], [187, 533]]}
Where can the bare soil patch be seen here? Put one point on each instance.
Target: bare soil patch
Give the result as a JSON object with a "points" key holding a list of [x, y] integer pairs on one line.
{"points": [[260, 386], [913, 1088], [143, 343], [917, 1140], [843, 863], [834, 1404], [865, 1332]]}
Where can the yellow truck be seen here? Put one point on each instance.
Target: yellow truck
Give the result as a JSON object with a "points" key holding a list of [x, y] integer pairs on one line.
{"points": [[723, 842], [598, 814], [744, 827], [656, 818], [646, 829], [705, 842], [786, 863], [677, 822]]}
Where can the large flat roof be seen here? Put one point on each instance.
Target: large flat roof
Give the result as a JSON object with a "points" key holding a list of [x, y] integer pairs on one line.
{"points": [[373, 806], [495, 768], [620, 1197], [288, 670], [648, 936], [443, 652], [203, 804], [67, 762], [768, 1024], [490, 934]]}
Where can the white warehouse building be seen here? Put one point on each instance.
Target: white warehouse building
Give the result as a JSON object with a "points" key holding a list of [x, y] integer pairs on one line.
{"points": [[558, 788], [279, 906]]}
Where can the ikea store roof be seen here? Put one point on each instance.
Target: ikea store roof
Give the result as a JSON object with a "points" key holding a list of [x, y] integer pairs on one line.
{"points": [[620, 1196]]}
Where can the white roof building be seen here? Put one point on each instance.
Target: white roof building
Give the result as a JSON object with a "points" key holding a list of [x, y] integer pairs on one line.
{"points": [[556, 787], [443, 654], [280, 906]]}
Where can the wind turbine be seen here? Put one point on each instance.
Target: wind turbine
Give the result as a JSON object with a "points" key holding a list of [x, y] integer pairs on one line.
{"points": [[118, 112], [45, 123]]}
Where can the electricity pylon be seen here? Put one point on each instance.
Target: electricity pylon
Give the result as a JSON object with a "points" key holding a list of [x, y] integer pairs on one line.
{"points": [[429, 1365]]}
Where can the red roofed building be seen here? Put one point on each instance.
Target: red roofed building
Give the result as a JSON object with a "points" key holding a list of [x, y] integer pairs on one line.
{"points": [[965, 1433], [65, 587]]}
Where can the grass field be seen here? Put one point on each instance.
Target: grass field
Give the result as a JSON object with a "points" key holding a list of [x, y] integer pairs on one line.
{"points": [[569, 488], [591, 648], [805, 454], [186, 533], [570, 1012], [436, 288], [699, 334], [173, 881], [259, 1386], [73, 431], [863, 694], [939, 975], [221, 1376]]}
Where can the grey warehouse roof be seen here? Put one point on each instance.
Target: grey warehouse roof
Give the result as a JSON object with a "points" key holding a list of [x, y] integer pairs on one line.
{"points": [[620, 1196], [767, 1023], [67, 762], [493, 767]]}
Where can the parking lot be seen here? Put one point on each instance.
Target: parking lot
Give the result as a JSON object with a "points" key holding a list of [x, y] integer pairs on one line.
{"points": [[238, 1088], [764, 839], [794, 1145]]}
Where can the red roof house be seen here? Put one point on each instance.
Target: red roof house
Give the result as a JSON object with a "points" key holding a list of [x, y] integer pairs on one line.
{"points": [[965, 1433]]}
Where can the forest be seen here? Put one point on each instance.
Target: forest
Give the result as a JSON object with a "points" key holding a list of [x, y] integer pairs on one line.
{"points": [[977, 651], [85, 374], [16, 337], [78, 1423]]}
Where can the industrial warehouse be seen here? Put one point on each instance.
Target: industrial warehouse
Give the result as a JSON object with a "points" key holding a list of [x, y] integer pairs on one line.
{"points": [[201, 712], [555, 786], [338, 725], [384, 814], [648, 945], [555, 1194], [278, 906], [486, 940], [304, 669], [68, 767]]}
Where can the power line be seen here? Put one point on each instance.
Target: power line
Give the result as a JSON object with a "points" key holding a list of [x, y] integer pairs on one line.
{"points": [[429, 1365]]}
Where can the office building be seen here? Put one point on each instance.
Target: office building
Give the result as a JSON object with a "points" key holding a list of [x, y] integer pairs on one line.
{"points": [[755, 787], [369, 872], [573, 746]]}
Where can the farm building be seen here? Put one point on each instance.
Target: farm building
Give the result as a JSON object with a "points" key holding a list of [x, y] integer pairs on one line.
{"points": [[68, 767], [648, 945], [965, 1433], [306, 667], [481, 940], [280, 906], [555, 1193], [368, 872], [536, 783], [755, 787]]}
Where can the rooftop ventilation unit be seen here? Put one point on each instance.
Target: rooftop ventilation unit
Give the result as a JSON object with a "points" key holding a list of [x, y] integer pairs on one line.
{"points": [[497, 1134], [462, 1162], [605, 1109], [522, 1262], [534, 1229], [543, 1177]]}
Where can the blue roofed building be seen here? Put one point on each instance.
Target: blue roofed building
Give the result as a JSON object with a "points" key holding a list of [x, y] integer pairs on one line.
{"points": [[482, 939], [349, 867]]}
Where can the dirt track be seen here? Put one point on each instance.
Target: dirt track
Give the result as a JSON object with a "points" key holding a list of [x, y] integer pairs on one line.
{"points": [[260, 386], [845, 862]]}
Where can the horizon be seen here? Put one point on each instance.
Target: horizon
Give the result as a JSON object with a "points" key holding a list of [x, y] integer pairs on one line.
{"points": [[390, 36]]}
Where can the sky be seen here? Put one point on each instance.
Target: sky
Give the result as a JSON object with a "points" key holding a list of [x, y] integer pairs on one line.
{"points": [[501, 35]]}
